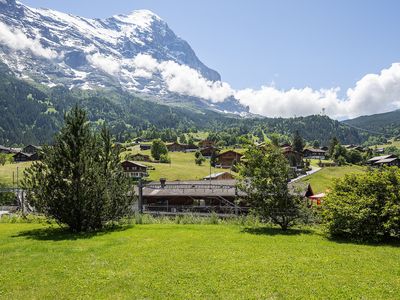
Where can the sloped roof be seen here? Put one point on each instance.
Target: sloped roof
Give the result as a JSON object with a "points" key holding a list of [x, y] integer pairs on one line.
{"points": [[377, 158], [134, 163], [386, 160], [315, 150], [216, 175]]}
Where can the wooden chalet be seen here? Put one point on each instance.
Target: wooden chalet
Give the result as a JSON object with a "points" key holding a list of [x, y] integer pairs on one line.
{"points": [[376, 159], [209, 151], [386, 160], [31, 149], [6, 150], [314, 153], [220, 196], [22, 157], [228, 158], [140, 157], [219, 176], [206, 144], [144, 147], [176, 147], [134, 170], [295, 158]]}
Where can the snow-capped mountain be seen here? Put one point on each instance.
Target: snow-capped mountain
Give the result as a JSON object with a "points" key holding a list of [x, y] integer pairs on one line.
{"points": [[137, 52]]}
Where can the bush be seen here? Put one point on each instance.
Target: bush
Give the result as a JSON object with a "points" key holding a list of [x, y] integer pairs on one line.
{"points": [[364, 206], [164, 158]]}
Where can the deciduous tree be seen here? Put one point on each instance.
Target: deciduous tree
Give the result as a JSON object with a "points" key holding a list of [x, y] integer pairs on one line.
{"points": [[264, 180]]}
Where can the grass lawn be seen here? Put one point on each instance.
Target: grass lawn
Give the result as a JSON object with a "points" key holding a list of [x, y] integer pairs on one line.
{"points": [[314, 162], [192, 262], [6, 172], [323, 179]]}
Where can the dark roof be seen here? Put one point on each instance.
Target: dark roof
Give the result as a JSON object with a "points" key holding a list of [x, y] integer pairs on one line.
{"points": [[314, 150], [133, 163], [215, 188], [24, 154]]}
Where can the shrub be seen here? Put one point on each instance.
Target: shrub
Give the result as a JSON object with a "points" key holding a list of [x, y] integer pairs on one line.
{"points": [[164, 158], [364, 206]]}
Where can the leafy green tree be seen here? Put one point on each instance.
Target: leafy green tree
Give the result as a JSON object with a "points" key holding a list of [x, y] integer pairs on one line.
{"points": [[199, 158], [354, 157], [339, 151], [158, 148], [364, 206], [79, 181], [334, 141], [190, 140], [297, 142], [274, 137], [392, 150], [264, 181], [316, 144], [3, 159]]}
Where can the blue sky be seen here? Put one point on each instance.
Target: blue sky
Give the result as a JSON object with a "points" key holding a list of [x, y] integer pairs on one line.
{"points": [[280, 58], [312, 43]]}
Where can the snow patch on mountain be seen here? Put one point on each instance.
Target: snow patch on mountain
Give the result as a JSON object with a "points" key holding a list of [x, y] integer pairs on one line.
{"points": [[137, 52]]}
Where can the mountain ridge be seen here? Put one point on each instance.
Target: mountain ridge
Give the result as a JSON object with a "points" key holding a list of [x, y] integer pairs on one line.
{"points": [[137, 52]]}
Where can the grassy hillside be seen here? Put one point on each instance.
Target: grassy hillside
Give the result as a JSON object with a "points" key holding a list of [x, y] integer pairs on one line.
{"points": [[323, 180], [386, 123], [182, 167], [191, 262]]}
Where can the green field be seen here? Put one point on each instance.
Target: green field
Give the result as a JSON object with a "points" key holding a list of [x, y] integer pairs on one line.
{"points": [[182, 167], [6, 172], [323, 179], [392, 143], [168, 261]]}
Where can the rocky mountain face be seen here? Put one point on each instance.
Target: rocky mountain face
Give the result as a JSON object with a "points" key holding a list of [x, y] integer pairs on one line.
{"points": [[136, 52]]}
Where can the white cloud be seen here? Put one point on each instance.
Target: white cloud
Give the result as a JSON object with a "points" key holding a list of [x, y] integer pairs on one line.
{"points": [[17, 40], [269, 101], [185, 80], [106, 63], [374, 93], [181, 79]]}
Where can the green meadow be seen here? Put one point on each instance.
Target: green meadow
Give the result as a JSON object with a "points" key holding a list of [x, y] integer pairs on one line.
{"points": [[174, 261], [322, 180], [6, 172]]}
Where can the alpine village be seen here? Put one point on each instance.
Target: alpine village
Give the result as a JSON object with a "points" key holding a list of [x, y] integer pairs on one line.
{"points": [[130, 170]]}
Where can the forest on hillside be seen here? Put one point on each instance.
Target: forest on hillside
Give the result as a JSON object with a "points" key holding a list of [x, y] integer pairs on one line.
{"points": [[33, 113]]}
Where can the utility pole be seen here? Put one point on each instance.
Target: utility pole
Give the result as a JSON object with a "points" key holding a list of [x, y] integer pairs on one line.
{"points": [[17, 177], [140, 200]]}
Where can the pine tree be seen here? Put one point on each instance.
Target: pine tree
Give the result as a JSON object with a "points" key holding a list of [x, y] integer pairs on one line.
{"points": [[297, 143], [79, 181]]}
